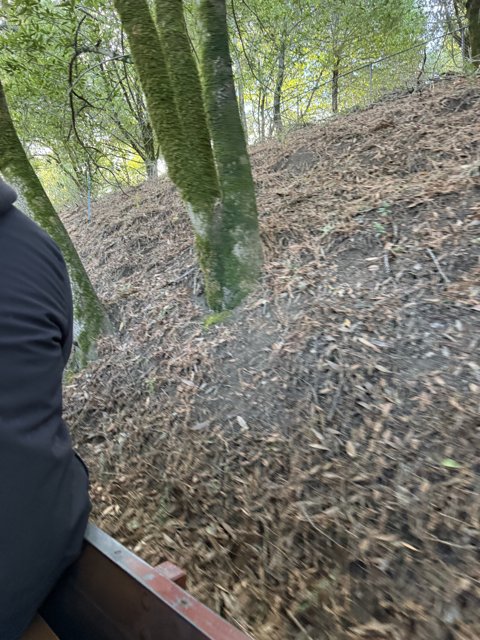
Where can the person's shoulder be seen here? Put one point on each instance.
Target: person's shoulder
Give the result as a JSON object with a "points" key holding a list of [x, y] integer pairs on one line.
{"points": [[28, 230]]}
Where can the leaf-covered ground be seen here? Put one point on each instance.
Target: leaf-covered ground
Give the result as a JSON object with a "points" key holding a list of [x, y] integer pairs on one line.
{"points": [[314, 459]]}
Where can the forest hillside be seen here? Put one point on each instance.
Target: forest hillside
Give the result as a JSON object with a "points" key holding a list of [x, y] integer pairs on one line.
{"points": [[311, 459]]}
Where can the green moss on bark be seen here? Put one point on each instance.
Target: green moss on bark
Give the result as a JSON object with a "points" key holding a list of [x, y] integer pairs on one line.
{"points": [[238, 234], [169, 79], [202, 189], [16, 168], [150, 63], [177, 117], [217, 187], [212, 269]]}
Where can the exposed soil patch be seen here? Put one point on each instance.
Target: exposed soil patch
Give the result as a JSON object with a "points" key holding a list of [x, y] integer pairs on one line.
{"points": [[313, 461]]}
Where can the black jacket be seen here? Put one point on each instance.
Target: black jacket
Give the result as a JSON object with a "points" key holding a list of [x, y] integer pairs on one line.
{"points": [[44, 502]]}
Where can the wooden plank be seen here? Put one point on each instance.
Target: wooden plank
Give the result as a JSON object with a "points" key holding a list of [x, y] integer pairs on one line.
{"points": [[39, 630], [111, 594]]}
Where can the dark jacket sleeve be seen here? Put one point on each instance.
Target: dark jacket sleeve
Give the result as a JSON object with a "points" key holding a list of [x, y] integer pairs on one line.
{"points": [[67, 337], [44, 500]]}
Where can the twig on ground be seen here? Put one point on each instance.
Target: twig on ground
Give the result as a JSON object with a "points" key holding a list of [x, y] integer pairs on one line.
{"points": [[437, 264], [320, 531], [298, 624], [181, 277], [333, 408], [386, 263], [395, 232]]}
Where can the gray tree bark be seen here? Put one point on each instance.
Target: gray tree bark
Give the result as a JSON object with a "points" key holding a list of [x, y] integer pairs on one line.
{"points": [[277, 94], [335, 74]]}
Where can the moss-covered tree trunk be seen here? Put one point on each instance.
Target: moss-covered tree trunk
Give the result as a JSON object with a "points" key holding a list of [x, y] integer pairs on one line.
{"points": [[237, 228], [202, 193], [90, 318], [193, 173], [187, 95], [473, 15], [150, 64], [216, 184]]}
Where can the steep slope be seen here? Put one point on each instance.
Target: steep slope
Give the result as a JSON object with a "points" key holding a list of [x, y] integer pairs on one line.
{"points": [[312, 460]]}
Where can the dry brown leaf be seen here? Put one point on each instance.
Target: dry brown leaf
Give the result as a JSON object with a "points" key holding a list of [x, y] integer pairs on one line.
{"points": [[350, 449]]}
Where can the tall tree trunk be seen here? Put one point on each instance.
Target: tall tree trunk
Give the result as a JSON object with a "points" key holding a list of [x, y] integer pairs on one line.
{"points": [[151, 168], [241, 104], [455, 23], [150, 152], [90, 317], [335, 74], [473, 15], [187, 92], [277, 94], [187, 95], [240, 93], [193, 173], [237, 228], [262, 116], [150, 63], [220, 208]]}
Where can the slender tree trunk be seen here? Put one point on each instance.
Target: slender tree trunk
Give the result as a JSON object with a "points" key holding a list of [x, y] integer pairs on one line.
{"points": [[277, 94], [262, 116], [77, 169], [455, 24], [240, 94], [304, 112], [335, 74], [473, 15], [71, 173], [151, 168], [150, 153], [90, 317], [187, 95], [241, 105], [237, 231], [150, 63]]}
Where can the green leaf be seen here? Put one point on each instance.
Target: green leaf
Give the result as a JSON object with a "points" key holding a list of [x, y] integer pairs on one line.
{"points": [[450, 464]]}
